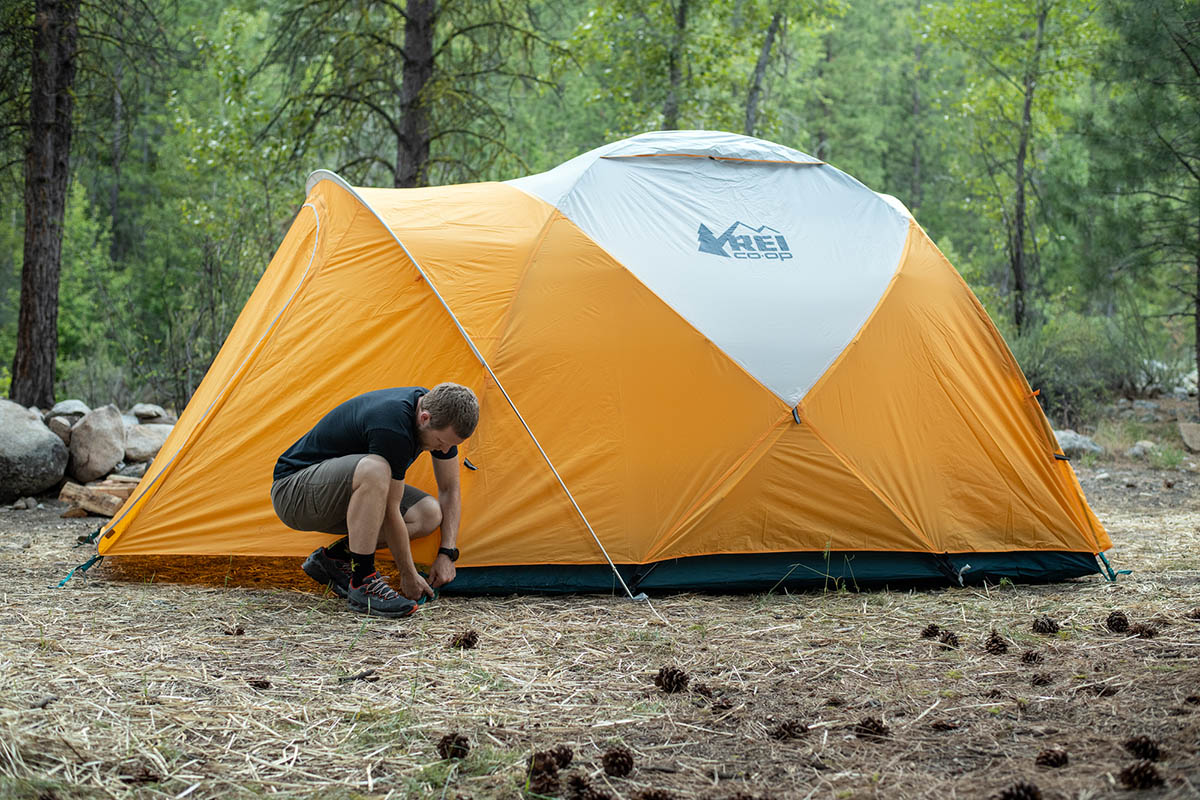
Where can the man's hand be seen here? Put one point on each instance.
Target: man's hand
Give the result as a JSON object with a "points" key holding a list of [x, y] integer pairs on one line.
{"points": [[442, 571], [414, 587]]}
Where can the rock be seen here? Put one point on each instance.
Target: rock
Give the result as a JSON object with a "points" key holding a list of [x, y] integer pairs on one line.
{"points": [[62, 427], [142, 442], [73, 409], [1076, 444], [145, 411], [134, 470], [1103, 476], [1141, 449], [1145, 405], [32, 458], [129, 420], [1190, 431], [97, 444]]}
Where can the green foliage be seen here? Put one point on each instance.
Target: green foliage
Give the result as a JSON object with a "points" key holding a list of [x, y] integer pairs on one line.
{"points": [[1074, 361], [191, 158]]}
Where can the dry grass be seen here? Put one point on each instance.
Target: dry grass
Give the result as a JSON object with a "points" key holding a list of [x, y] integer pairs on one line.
{"points": [[215, 678]]}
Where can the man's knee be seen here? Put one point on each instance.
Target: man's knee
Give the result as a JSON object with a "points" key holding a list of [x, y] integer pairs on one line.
{"points": [[372, 472], [423, 518]]}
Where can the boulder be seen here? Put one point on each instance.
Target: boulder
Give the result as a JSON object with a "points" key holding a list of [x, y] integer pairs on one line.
{"points": [[1076, 444], [62, 427], [1190, 431], [1141, 449], [97, 444], [32, 458], [73, 409], [142, 442], [134, 470], [145, 411]]}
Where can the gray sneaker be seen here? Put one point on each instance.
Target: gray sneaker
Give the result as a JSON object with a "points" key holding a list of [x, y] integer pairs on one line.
{"points": [[328, 571], [375, 597]]}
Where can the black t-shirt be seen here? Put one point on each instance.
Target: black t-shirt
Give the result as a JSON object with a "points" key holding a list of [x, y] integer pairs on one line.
{"points": [[383, 423]]}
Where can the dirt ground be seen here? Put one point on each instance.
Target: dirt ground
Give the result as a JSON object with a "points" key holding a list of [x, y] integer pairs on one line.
{"points": [[215, 678]]}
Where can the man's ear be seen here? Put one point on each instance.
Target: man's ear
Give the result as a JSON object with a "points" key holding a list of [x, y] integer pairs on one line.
{"points": [[423, 417]]}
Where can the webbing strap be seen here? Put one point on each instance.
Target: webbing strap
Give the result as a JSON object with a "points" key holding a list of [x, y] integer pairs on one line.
{"points": [[84, 567]]}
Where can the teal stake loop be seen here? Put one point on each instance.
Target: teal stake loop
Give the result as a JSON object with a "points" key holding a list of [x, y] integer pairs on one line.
{"points": [[82, 568], [1112, 576], [89, 538], [796, 415]]}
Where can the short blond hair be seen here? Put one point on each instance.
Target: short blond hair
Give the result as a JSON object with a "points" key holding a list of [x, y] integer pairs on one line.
{"points": [[452, 405]]}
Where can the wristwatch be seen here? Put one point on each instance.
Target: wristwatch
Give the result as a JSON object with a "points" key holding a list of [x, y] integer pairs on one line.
{"points": [[449, 552]]}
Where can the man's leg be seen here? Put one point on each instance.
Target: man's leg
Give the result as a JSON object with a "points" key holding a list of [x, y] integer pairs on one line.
{"points": [[423, 517], [364, 514]]}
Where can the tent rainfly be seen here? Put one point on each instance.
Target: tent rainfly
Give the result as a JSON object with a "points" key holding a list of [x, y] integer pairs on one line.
{"points": [[704, 362]]}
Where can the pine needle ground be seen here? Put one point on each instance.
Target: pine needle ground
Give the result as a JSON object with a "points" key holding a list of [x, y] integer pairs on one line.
{"points": [[219, 678]]}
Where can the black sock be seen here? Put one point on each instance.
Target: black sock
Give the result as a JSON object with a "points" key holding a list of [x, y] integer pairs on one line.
{"points": [[339, 549], [362, 566]]}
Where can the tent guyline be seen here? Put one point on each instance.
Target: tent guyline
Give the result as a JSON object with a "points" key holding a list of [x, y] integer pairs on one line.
{"points": [[638, 324]]}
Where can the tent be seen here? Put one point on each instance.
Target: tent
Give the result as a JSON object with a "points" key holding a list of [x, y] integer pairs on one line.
{"points": [[704, 361]]}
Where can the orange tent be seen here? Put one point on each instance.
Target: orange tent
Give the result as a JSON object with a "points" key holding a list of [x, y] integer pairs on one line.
{"points": [[706, 359]]}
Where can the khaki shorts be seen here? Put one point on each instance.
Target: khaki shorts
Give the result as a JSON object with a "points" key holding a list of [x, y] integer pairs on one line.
{"points": [[316, 497]]}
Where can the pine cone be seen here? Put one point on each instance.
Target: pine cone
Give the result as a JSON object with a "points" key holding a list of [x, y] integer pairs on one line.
{"points": [[1054, 757], [1192, 699], [1143, 747], [1021, 790], [949, 640], [578, 787], [1032, 657], [542, 762], [1042, 679], [702, 689], [618, 762], [943, 725], [789, 729], [1143, 631], [930, 631], [465, 640], [671, 680], [1117, 622], [1044, 624], [543, 783], [871, 728], [1140, 775], [995, 644], [562, 754], [454, 745], [1193, 614]]}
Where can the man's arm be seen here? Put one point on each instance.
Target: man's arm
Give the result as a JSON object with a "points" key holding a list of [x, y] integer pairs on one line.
{"points": [[395, 533], [445, 472]]}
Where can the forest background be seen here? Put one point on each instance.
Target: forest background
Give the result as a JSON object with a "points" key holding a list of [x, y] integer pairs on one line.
{"points": [[1050, 147]]}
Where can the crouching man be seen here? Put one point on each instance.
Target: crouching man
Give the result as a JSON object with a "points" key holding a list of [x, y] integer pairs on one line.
{"points": [[346, 476]]}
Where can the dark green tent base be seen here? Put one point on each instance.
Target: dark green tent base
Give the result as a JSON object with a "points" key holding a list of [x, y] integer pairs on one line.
{"points": [[761, 572]]}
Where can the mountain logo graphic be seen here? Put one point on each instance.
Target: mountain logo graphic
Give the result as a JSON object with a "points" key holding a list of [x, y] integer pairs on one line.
{"points": [[745, 242]]}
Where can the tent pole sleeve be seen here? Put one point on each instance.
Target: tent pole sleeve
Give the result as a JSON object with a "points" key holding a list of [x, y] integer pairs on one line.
{"points": [[503, 391], [133, 503]]}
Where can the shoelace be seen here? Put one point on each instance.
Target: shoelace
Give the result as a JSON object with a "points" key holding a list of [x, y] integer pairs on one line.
{"points": [[377, 586]]}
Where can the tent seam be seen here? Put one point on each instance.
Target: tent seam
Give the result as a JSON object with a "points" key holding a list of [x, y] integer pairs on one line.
{"points": [[223, 395]]}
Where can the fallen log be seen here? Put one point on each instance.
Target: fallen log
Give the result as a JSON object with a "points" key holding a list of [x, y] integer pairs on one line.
{"points": [[97, 502]]}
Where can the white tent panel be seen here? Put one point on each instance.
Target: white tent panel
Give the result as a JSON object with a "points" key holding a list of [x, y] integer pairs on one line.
{"points": [[778, 264]]}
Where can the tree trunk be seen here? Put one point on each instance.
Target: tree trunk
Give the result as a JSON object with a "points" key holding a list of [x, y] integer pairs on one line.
{"points": [[675, 69], [412, 146], [117, 248], [1018, 259], [822, 101], [47, 173], [914, 187], [1196, 307], [760, 70]]}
